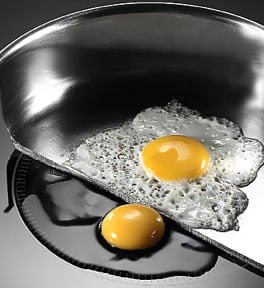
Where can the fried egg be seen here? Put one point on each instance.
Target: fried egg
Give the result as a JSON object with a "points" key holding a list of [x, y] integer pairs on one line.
{"points": [[174, 157], [199, 164]]}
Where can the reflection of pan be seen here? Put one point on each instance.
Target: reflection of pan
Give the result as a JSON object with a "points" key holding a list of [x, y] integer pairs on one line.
{"points": [[83, 72], [64, 213]]}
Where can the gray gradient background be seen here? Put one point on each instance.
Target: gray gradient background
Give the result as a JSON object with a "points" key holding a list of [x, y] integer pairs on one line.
{"points": [[24, 263]]}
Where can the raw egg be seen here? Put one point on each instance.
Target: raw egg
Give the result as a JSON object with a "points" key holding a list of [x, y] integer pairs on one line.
{"points": [[132, 227]]}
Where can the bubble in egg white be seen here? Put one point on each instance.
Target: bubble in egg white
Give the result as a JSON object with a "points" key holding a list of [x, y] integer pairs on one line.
{"points": [[111, 159]]}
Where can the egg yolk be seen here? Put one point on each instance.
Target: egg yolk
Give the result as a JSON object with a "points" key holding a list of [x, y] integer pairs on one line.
{"points": [[175, 157], [133, 227]]}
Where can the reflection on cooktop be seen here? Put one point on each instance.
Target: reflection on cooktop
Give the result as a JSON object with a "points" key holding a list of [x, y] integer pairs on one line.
{"points": [[64, 214]]}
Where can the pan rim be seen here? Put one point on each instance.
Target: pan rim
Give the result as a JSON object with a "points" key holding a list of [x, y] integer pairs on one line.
{"points": [[69, 18]]}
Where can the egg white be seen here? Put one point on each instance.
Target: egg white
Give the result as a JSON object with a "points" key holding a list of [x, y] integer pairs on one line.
{"points": [[112, 160]]}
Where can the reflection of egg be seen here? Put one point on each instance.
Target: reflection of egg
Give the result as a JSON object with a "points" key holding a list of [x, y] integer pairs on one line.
{"points": [[113, 159], [132, 227]]}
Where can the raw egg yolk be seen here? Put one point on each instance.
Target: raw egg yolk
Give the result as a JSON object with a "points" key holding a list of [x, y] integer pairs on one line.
{"points": [[133, 227], [175, 157]]}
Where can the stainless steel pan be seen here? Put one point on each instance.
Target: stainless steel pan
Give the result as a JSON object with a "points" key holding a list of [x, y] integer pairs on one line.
{"points": [[98, 67]]}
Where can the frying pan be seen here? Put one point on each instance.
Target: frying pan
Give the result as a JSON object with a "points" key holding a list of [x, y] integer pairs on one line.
{"points": [[96, 68]]}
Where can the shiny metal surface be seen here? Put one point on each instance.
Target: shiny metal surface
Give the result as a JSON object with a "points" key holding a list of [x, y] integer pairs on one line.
{"points": [[63, 81]]}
